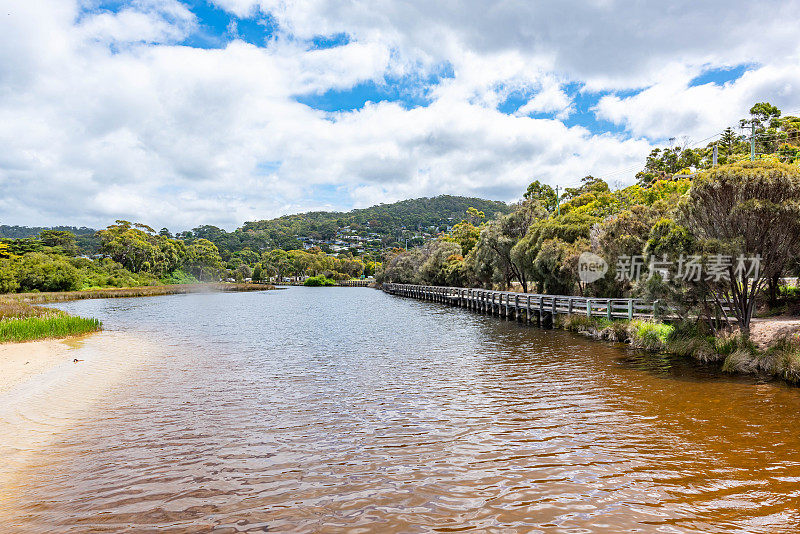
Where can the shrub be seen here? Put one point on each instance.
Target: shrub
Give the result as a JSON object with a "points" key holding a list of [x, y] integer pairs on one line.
{"points": [[318, 281], [179, 277], [616, 331], [649, 335]]}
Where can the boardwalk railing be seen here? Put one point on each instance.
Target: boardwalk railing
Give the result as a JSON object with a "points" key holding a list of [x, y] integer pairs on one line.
{"points": [[527, 306], [355, 283]]}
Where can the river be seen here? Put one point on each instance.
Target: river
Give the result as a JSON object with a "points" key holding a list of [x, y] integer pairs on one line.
{"points": [[348, 410]]}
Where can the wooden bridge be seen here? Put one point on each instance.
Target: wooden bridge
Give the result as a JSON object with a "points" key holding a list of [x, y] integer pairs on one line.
{"points": [[355, 283], [527, 307]]}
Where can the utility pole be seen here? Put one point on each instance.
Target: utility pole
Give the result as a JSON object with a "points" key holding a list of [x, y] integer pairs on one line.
{"points": [[752, 140], [714, 157], [558, 202]]}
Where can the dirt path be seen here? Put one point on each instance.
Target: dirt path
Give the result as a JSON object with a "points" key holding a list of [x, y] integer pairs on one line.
{"points": [[765, 331]]}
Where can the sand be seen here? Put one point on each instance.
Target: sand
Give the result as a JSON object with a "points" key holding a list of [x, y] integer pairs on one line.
{"points": [[45, 394], [19, 362]]}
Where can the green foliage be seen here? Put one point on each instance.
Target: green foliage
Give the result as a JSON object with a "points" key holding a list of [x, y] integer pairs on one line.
{"points": [[51, 326], [665, 163], [41, 272], [318, 281], [747, 209], [465, 234], [650, 335], [384, 225], [542, 193], [178, 276], [138, 248]]}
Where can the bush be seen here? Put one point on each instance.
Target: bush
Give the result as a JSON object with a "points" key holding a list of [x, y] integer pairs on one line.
{"points": [[318, 281], [650, 336], [179, 277]]}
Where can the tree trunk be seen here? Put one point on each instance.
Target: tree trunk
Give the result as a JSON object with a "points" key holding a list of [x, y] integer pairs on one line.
{"points": [[773, 284]]}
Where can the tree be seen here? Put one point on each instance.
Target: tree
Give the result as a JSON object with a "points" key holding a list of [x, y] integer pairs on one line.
{"points": [[764, 122], [62, 239], [663, 164], [276, 262], [589, 184], [465, 234], [543, 194], [474, 216], [493, 250], [203, 260], [5, 251], [747, 209], [437, 267]]}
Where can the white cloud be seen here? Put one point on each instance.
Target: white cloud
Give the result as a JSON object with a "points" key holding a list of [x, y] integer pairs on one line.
{"points": [[672, 109], [153, 22], [105, 115]]}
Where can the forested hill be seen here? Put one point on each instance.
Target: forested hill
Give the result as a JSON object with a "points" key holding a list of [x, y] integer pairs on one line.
{"points": [[20, 232], [370, 229], [373, 228], [419, 214]]}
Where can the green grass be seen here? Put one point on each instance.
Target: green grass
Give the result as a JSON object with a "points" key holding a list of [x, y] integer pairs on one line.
{"points": [[55, 325], [649, 335]]}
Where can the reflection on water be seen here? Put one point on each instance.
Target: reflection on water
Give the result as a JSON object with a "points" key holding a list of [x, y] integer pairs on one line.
{"points": [[344, 409]]}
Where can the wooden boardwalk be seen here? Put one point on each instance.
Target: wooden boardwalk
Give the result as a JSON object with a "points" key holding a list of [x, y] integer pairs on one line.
{"points": [[355, 283], [527, 307]]}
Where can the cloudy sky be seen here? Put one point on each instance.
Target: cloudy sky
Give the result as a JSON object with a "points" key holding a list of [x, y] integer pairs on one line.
{"points": [[179, 113]]}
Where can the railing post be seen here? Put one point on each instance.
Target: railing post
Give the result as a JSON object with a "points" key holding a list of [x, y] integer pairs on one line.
{"points": [[608, 309], [630, 309], [588, 307]]}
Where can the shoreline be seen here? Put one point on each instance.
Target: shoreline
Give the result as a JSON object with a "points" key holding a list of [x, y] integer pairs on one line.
{"points": [[770, 353], [138, 291], [44, 392], [22, 319]]}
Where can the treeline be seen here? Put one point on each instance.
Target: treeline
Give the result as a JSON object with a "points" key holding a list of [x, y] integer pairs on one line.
{"points": [[774, 136], [277, 264], [714, 217], [131, 254]]}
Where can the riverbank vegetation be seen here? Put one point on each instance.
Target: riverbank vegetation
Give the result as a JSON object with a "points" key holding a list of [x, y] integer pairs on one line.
{"points": [[318, 281], [732, 350], [715, 245], [22, 322]]}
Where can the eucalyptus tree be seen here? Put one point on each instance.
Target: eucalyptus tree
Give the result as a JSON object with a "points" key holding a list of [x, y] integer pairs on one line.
{"points": [[748, 210]]}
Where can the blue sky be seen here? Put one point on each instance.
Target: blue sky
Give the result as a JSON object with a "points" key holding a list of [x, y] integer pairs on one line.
{"points": [[178, 113]]}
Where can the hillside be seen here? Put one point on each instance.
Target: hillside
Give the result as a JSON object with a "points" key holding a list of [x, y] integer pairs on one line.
{"points": [[21, 232], [372, 228]]}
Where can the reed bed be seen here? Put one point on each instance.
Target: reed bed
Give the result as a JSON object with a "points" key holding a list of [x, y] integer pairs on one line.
{"points": [[54, 325], [124, 292]]}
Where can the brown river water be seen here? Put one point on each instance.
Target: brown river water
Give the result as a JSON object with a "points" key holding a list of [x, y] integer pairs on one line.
{"points": [[348, 410]]}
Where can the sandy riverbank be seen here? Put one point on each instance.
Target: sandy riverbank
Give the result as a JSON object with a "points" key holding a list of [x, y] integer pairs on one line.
{"points": [[19, 362], [44, 393]]}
